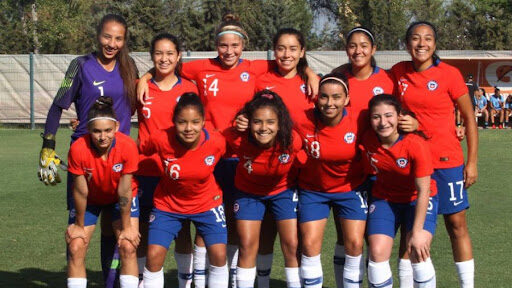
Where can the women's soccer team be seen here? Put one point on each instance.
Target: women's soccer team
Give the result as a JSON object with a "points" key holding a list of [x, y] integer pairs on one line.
{"points": [[245, 150]]}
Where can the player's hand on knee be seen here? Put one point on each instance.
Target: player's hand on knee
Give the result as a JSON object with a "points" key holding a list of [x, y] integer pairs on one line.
{"points": [[73, 232], [418, 245], [129, 234]]}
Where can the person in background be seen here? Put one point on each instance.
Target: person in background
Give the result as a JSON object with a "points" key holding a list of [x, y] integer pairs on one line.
{"points": [[481, 106], [496, 108]]}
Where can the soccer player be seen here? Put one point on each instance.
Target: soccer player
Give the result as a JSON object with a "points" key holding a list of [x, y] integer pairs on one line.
{"points": [[156, 114], [102, 163], [400, 194], [266, 180], [108, 71], [332, 177], [496, 106], [430, 88], [481, 106], [188, 191]]}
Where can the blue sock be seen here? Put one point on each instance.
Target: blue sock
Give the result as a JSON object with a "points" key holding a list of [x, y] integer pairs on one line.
{"points": [[108, 245]]}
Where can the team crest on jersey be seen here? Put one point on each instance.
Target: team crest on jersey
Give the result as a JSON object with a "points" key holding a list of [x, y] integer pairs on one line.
{"points": [[303, 88], [432, 85], [209, 160], [349, 137], [244, 76], [401, 162], [151, 217], [117, 167], [377, 90], [236, 207], [372, 208], [284, 158]]}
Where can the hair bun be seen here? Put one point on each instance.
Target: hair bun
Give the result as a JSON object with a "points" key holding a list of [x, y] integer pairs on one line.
{"points": [[104, 101], [230, 17]]}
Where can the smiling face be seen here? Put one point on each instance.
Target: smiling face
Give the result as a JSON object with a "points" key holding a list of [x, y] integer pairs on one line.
{"points": [[102, 133], [422, 45], [288, 51], [229, 49], [189, 124], [331, 100], [360, 50], [111, 39], [264, 126], [384, 121], [165, 57]]}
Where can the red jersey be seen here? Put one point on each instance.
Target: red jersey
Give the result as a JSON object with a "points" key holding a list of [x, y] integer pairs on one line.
{"points": [[333, 164], [156, 114], [397, 167], [292, 91], [103, 176], [361, 91], [263, 171], [188, 185], [431, 94], [224, 91]]}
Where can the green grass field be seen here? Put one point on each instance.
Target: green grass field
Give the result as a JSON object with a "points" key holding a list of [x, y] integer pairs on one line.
{"points": [[33, 218]]}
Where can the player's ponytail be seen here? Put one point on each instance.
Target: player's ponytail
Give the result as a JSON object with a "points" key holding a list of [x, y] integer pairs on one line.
{"points": [[127, 67], [303, 62], [188, 99], [103, 108], [408, 34], [270, 99], [231, 24]]}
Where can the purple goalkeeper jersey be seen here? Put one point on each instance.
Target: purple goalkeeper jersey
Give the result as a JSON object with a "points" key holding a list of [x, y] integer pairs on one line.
{"points": [[85, 81]]}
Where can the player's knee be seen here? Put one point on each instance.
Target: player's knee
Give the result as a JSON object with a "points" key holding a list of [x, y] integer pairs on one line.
{"points": [[290, 246], [457, 226], [354, 245], [77, 248], [126, 249]]}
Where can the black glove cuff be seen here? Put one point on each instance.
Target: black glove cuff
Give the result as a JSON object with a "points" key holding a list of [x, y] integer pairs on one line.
{"points": [[48, 141]]}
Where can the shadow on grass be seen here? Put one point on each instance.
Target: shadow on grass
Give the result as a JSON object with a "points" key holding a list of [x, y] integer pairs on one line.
{"points": [[34, 277]]}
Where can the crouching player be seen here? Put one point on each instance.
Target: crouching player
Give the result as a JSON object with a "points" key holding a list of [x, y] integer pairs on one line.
{"points": [[187, 191], [403, 194], [102, 163]]}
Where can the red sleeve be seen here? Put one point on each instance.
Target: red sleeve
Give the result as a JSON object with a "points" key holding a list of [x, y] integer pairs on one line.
{"points": [[148, 146], [131, 154], [260, 67], [457, 86], [301, 156], [191, 69], [233, 138], [393, 75], [75, 159], [421, 157], [190, 87], [220, 142]]}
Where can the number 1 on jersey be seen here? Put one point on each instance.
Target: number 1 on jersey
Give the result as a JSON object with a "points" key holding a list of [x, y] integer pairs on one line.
{"points": [[214, 86]]}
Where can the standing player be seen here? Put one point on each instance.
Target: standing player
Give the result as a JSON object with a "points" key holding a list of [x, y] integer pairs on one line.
{"points": [[265, 179], [332, 177], [108, 71], [440, 86], [156, 114], [400, 194], [188, 191], [101, 164]]}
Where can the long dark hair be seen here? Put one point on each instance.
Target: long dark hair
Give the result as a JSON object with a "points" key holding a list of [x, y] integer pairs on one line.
{"points": [[303, 62], [267, 98], [188, 99], [127, 67], [103, 107], [368, 33], [408, 35], [174, 40]]}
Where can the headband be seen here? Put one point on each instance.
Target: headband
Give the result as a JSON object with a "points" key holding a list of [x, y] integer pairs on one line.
{"points": [[102, 118], [360, 29], [337, 80], [231, 32]]}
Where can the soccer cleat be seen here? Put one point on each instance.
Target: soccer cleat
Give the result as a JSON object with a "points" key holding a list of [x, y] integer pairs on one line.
{"points": [[493, 126], [500, 126]]}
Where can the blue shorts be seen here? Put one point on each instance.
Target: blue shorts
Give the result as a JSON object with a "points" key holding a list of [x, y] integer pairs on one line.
{"points": [[385, 217], [147, 186], [453, 197], [252, 207], [92, 212], [225, 176], [165, 226], [347, 205]]}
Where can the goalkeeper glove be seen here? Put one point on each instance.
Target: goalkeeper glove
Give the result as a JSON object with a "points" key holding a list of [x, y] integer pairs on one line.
{"points": [[49, 161]]}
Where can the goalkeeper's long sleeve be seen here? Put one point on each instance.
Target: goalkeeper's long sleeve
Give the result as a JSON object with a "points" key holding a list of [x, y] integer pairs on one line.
{"points": [[52, 120]]}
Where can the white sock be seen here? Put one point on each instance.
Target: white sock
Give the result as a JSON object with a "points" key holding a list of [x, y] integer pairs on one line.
{"points": [[353, 271], [424, 274], [292, 277], [466, 271], [311, 271], [218, 276], [405, 273], [141, 262], [232, 253], [264, 266], [128, 281], [200, 264], [245, 277], [77, 282], [184, 264], [153, 279], [338, 264], [379, 274]]}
